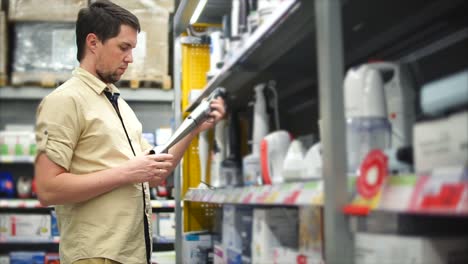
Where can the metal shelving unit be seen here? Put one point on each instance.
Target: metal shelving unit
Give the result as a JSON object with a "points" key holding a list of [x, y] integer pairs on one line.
{"points": [[134, 95], [311, 43]]}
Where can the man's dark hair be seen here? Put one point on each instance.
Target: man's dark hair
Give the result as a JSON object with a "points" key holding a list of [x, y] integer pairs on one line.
{"points": [[104, 19]]}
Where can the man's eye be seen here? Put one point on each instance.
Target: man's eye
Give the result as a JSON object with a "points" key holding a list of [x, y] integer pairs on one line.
{"points": [[124, 48]]}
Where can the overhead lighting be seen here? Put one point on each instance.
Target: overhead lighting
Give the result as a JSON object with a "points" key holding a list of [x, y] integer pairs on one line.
{"points": [[198, 10]]}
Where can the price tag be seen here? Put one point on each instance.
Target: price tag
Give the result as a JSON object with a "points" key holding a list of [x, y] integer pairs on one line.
{"points": [[444, 191]]}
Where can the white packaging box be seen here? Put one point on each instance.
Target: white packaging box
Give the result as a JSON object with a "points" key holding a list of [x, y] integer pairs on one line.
{"points": [[25, 226], [166, 225], [283, 255], [195, 247], [4, 259], [441, 143], [232, 229], [219, 254], [391, 249], [311, 231], [271, 228], [5, 226]]}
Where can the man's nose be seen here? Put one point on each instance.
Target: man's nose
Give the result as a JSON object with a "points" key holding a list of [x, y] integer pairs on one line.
{"points": [[129, 58]]}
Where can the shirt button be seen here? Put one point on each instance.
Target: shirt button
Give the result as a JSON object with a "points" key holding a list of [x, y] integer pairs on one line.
{"points": [[45, 132]]}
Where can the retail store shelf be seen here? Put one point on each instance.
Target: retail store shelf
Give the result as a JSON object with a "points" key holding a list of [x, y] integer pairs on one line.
{"points": [[292, 194], [289, 24], [162, 203], [20, 203], [16, 159], [29, 240], [415, 195], [212, 13], [37, 93], [33, 203]]}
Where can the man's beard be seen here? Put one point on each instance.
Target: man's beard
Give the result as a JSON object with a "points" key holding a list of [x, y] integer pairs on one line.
{"points": [[107, 77]]}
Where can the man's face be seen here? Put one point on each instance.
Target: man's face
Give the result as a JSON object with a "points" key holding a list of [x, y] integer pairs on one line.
{"points": [[115, 54]]}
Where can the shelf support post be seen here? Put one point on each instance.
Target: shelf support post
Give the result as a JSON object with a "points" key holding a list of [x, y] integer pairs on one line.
{"points": [[339, 246], [177, 68]]}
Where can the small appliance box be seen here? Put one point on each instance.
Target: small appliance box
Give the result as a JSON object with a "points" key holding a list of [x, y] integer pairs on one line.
{"points": [[23, 257], [272, 228], [390, 249], [25, 226], [441, 143], [218, 254], [235, 233], [311, 232], [197, 248], [45, 10], [4, 259]]}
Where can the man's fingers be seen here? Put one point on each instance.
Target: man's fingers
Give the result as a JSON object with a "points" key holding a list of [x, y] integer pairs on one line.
{"points": [[162, 157]]}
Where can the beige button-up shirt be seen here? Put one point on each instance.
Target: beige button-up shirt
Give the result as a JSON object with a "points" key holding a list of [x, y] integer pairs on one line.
{"points": [[78, 129]]}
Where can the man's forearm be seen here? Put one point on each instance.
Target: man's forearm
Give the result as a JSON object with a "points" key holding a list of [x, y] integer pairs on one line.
{"points": [[70, 188]]}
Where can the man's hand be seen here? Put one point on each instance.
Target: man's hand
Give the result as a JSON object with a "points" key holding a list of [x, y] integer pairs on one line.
{"points": [[148, 168], [217, 113]]}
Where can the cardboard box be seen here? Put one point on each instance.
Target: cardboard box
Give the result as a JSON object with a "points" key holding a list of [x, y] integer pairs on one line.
{"points": [[441, 143], [390, 249], [146, 4], [45, 10], [151, 55], [3, 49]]}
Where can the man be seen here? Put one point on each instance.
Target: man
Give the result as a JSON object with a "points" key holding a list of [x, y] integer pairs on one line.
{"points": [[93, 163]]}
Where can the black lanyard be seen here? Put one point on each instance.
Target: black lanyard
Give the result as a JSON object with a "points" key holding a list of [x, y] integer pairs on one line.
{"points": [[113, 100]]}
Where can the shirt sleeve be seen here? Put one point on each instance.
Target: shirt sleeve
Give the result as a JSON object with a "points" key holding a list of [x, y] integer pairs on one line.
{"points": [[57, 128], [145, 145]]}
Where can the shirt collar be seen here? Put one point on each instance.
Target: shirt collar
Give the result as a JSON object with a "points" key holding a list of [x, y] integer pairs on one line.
{"points": [[93, 82]]}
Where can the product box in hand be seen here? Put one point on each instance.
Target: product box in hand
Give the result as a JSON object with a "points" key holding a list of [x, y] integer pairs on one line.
{"points": [[3, 49], [151, 55], [44, 53], [45, 10]]}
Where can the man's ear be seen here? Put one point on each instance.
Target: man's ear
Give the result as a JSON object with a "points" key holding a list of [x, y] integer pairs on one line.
{"points": [[92, 42]]}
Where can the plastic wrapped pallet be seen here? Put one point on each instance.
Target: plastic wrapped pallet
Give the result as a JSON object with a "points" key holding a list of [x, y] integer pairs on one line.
{"points": [[45, 53], [45, 10], [3, 49], [151, 56]]}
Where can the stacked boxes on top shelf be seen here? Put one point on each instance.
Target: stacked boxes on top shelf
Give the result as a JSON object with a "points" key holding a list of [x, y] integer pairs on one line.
{"points": [[3, 48], [151, 56], [44, 49]]}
